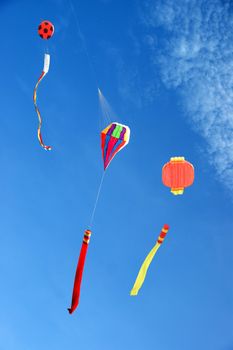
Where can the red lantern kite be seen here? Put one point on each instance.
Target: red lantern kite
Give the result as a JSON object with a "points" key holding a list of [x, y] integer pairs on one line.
{"points": [[178, 174]]}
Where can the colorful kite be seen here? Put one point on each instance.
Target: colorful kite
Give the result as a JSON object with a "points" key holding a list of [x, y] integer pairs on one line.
{"points": [[143, 270], [45, 30], [113, 139], [178, 174]]}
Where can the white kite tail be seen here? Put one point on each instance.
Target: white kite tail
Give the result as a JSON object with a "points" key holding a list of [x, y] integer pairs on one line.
{"points": [[46, 63]]}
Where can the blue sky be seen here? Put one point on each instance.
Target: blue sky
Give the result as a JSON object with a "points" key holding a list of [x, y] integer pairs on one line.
{"points": [[166, 69]]}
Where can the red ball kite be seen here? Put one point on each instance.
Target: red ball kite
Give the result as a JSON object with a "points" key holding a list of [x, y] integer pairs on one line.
{"points": [[46, 30]]}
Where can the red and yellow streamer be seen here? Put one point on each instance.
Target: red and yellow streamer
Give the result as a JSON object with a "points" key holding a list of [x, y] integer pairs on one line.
{"points": [[44, 72]]}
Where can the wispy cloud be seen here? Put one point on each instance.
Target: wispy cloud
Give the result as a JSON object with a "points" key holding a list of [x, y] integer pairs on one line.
{"points": [[193, 40]]}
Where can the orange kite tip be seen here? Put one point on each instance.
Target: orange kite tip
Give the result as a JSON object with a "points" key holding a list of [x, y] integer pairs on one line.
{"points": [[166, 226]]}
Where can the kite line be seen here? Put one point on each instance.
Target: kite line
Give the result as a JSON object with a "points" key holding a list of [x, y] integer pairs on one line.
{"points": [[113, 138]]}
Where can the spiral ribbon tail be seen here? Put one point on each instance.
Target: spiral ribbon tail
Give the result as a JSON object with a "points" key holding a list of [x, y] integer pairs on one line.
{"points": [[143, 270], [44, 72], [79, 271]]}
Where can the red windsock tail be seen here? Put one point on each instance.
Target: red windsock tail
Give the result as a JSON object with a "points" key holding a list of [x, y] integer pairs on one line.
{"points": [[79, 272]]}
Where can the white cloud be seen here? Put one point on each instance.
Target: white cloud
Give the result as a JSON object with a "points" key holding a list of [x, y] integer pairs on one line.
{"points": [[194, 39]]}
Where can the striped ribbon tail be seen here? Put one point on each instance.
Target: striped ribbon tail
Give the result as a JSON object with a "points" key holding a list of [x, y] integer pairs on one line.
{"points": [[45, 71], [79, 271], [143, 270]]}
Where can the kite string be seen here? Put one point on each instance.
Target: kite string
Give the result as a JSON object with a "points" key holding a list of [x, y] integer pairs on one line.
{"points": [[96, 201], [102, 100], [80, 34], [104, 107]]}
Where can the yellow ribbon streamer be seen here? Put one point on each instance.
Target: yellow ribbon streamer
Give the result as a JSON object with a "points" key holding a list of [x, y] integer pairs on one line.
{"points": [[143, 270]]}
